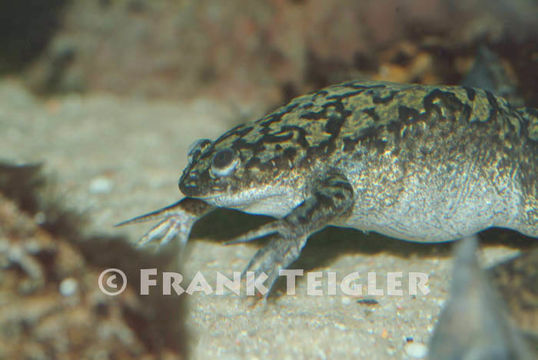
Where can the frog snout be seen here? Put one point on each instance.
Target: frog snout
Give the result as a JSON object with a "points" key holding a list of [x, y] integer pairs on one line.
{"points": [[188, 183]]}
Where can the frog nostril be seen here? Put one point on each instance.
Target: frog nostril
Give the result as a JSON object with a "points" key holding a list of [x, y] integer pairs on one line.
{"points": [[192, 175], [189, 181]]}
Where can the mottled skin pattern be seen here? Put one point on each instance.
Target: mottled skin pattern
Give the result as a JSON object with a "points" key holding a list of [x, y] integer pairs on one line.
{"points": [[419, 163]]}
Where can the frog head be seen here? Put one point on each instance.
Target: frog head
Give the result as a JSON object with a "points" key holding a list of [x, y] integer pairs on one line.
{"points": [[239, 168]]}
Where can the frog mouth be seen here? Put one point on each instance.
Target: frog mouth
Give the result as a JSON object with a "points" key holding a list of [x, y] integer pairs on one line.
{"points": [[240, 200]]}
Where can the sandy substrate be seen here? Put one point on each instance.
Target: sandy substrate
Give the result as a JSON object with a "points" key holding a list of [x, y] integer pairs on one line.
{"points": [[117, 158]]}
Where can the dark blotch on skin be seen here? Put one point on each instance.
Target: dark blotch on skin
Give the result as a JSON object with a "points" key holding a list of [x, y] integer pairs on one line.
{"points": [[355, 85], [308, 105], [300, 135], [290, 153], [333, 125], [312, 115], [273, 138], [470, 93], [394, 127], [380, 145], [276, 116], [368, 132], [407, 114], [494, 107], [371, 113], [466, 115], [240, 130], [350, 143], [340, 97], [447, 101], [383, 100]]}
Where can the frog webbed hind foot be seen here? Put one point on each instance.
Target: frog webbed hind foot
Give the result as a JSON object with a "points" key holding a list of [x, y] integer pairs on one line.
{"points": [[282, 250], [277, 255]]}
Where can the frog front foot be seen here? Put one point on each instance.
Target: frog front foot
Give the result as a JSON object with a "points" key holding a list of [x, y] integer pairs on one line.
{"points": [[176, 221]]}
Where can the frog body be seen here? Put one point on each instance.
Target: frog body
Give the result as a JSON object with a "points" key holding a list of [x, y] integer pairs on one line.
{"points": [[414, 162]]}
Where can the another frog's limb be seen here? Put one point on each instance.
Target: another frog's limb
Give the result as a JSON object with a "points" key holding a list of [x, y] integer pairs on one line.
{"points": [[330, 200], [177, 220]]}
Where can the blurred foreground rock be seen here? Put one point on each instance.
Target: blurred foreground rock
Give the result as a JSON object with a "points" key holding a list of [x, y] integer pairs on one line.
{"points": [[517, 281], [474, 323], [50, 304]]}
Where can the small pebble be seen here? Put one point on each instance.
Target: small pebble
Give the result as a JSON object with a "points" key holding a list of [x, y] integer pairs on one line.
{"points": [[416, 350], [340, 326], [346, 300], [100, 185], [40, 217], [68, 287], [368, 302], [384, 334]]}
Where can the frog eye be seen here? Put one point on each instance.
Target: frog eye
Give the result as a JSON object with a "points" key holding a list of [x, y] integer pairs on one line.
{"points": [[198, 147], [224, 162]]}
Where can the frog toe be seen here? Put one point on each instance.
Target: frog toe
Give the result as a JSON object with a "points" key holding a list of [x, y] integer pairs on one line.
{"points": [[258, 233], [166, 230], [277, 255]]}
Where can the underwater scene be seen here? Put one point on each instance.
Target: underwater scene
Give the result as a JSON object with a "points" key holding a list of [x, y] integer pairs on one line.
{"points": [[280, 179]]}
